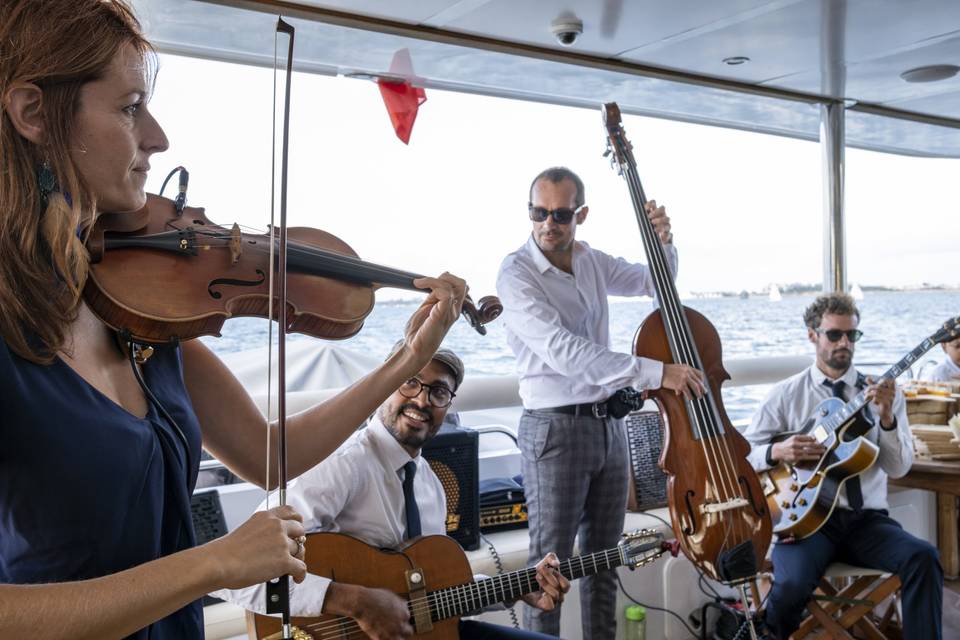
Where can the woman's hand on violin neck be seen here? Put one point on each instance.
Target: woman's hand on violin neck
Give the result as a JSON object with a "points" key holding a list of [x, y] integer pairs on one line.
{"points": [[430, 322], [262, 548]]}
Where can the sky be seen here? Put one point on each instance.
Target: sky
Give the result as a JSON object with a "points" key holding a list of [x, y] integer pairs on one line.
{"points": [[747, 209]]}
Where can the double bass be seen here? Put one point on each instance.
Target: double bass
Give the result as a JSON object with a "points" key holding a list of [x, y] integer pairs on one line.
{"points": [[717, 507]]}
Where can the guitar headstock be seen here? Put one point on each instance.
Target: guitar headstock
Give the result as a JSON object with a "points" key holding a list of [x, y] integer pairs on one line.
{"points": [[949, 331], [641, 547], [617, 142]]}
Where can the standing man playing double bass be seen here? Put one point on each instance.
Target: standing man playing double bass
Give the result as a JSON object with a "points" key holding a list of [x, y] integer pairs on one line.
{"points": [[574, 388]]}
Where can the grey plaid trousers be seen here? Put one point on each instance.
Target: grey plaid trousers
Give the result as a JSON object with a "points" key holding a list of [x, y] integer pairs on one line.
{"points": [[575, 471]]}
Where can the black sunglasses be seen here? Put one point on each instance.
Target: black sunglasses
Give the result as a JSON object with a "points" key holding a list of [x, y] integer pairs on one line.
{"points": [[562, 215], [834, 335]]}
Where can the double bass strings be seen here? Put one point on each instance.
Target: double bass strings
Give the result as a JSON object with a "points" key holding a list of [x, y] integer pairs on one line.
{"points": [[719, 462]]}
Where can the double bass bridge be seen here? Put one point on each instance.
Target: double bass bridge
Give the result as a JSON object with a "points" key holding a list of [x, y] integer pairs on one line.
{"points": [[726, 505]]}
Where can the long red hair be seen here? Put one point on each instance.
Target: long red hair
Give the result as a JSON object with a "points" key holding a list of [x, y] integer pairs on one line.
{"points": [[57, 45]]}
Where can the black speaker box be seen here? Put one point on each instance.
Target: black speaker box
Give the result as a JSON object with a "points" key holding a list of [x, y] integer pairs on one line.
{"points": [[648, 484], [453, 456], [208, 522]]}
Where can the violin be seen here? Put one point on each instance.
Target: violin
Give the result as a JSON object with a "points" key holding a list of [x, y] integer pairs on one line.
{"points": [[167, 272], [717, 507]]}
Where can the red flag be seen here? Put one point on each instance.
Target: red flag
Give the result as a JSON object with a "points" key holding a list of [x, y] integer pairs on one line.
{"points": [[402, 100]]}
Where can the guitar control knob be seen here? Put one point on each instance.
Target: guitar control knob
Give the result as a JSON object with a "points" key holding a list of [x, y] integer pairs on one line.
{"points": [[785, 504], [794, 486], [802, 502], [792, 516]]}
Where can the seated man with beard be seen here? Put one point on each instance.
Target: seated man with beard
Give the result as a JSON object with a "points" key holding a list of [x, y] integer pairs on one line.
{"points": [[378, 488], [859, 531]]}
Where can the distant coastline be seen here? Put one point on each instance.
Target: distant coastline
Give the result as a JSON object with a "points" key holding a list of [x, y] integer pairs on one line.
{"points": [[785, 289], [804, 288]]}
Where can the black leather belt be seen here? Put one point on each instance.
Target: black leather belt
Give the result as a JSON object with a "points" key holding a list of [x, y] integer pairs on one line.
{"points": [[593, 409], [616, 406]]}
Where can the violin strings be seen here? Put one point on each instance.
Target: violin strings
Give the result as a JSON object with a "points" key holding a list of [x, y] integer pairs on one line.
{"points": [[307, 253]]}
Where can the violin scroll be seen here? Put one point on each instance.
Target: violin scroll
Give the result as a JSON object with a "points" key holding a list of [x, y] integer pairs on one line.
{"points": [[488, 310]]}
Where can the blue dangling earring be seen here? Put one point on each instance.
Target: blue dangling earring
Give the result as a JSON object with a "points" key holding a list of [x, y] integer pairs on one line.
{"points": [[46, 181]]}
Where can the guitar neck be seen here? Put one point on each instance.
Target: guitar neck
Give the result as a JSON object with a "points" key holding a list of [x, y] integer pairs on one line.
{"points": [[859, 401], [473, 596]]}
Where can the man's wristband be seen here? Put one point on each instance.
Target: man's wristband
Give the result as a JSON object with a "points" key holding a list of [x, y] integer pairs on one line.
{"points": [[891, 427], [769, 457]]}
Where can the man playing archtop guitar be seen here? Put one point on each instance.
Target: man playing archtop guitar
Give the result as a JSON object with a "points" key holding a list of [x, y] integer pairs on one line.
{"points": [[859, 531]]}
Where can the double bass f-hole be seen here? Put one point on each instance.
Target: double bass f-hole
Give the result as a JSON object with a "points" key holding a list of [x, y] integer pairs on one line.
{"points": [[690, 528], [759, 510]]}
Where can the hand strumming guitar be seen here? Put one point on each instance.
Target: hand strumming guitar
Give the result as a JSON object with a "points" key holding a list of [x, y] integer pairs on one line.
{"points": [[797, 449], [381, 614]]}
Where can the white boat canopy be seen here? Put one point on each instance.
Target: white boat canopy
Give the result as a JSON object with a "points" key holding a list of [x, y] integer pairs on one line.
{"points": [[759, 65]]}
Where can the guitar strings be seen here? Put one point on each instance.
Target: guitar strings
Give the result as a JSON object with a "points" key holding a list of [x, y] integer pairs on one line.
{"points": [[445, 602]]}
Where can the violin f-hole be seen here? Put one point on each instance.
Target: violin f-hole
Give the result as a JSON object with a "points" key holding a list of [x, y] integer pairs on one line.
{"points": [[216, 295]]}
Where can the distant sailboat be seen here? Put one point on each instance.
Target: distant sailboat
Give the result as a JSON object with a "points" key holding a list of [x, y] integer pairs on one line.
{"points": [[774, 293], [856, 292]]}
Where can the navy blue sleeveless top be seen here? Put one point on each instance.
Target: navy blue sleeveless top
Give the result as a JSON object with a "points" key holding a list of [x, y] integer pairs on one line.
{"points": [[88, 489]]}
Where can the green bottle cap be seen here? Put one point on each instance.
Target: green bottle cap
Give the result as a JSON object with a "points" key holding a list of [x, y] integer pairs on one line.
{"points": [[636, 612]]}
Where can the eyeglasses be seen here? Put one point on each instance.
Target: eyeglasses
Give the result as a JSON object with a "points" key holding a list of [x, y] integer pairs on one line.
{"points": [[439, 395], [562, 215], [834, 335]]}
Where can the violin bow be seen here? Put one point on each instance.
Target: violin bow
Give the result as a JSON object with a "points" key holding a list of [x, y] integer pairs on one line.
{"points": [[278, 590]]}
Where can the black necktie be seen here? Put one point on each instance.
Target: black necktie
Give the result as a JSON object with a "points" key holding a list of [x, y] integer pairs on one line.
{"points": [[410, 501], [854, 494]]}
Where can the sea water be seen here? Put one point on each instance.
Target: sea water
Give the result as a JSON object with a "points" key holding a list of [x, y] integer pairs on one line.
{"points": [[893, 323]]}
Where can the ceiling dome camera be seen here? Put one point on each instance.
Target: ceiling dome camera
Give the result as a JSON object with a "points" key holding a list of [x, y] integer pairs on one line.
{"points": [[566, 28]]}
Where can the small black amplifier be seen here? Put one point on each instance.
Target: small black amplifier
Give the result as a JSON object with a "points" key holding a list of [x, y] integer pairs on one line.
{"points": [[453, 456], [503, 516]]}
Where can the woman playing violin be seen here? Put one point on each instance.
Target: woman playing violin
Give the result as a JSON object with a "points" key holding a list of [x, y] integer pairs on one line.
{"points": [[96, 539]]}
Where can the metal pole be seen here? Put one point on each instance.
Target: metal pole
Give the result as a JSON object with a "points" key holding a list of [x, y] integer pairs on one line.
{"points": [[834, 243]]}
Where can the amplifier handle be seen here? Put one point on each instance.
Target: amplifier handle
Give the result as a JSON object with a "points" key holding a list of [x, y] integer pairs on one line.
{"points": [[496, 428]]}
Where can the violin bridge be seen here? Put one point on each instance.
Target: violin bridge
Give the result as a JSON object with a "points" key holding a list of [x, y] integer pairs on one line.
{"points": [[717, 507], [235, 246]]}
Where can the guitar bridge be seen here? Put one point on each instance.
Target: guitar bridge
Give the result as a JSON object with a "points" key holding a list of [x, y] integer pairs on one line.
{"points": [[417, 590]]}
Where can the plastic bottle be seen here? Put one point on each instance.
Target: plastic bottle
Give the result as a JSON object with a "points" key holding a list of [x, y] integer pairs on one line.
{"points": [[636, 624]]}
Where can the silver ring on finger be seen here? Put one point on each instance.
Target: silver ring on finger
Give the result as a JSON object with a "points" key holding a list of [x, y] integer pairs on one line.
{"points": [[300, 542]]}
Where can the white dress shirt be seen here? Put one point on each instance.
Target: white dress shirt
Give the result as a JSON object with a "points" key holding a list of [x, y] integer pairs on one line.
{"points": [[357, 490], [558, 325], [792, 402], [946, 371]]}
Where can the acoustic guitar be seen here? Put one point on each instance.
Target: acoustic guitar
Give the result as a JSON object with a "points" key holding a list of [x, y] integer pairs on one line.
{"points": [[802, 496], [432, 573]]}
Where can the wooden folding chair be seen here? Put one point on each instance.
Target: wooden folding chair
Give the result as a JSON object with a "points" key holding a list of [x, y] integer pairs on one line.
{"points": [[845, 601]]}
